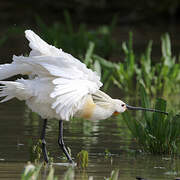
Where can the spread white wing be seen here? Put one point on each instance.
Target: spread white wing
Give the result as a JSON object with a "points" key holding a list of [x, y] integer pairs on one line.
{"points": [[71, 79]]}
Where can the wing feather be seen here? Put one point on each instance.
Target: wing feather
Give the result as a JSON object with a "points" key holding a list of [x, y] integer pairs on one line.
{"points": [[67, 104], [71, 79], [38, 46]]}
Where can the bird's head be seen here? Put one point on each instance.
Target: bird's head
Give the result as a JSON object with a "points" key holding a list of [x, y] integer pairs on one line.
{"points": [[119, 106]]}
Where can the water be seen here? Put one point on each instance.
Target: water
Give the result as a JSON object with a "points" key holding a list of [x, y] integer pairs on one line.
{"points": [[18, 127]]}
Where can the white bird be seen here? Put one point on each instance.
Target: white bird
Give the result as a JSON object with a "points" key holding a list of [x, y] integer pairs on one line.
{"points": [[58, 86]]}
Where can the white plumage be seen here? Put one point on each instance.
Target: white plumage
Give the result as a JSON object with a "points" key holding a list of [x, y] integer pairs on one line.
{"points": [[59, 85]]}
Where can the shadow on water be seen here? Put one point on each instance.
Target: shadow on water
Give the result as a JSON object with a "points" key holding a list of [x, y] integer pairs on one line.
{"points": [[18, 127]]}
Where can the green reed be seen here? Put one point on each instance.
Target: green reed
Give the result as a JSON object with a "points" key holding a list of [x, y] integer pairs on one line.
{"points": [[75, 39], [159, 78], [155, 132], [82, 159]]}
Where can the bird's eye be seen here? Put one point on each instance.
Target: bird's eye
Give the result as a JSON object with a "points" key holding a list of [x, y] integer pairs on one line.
{"points": [[123, 105]]}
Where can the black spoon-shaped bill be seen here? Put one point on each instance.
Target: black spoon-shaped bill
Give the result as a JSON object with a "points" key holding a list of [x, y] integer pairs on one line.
{"points": [[144, 109]]}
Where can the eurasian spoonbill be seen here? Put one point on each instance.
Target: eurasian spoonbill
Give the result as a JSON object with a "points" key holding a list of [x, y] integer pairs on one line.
{"points": [[58, 86]]}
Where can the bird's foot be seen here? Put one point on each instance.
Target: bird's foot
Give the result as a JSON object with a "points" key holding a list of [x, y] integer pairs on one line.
{"points": [[72, 163]]}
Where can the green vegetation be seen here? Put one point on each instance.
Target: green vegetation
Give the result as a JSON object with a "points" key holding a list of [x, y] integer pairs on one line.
{"points": [[160, 78], [35, 152], [82, 159], [75, 40], [107, 154], [155, 132]]}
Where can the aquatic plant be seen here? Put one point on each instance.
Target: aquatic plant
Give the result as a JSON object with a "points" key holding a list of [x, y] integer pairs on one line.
{"points": [[82, 159], [160, 78], [155, 132], [75, 40], [35, 152], [107, 154], [163, 77], [125, 72]]}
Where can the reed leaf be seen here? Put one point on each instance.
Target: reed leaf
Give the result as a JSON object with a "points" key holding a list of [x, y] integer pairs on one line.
{"points": [[156, 133]]}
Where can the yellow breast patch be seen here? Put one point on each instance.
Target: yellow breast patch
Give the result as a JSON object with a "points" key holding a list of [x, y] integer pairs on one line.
{"points": [[88, 108]]}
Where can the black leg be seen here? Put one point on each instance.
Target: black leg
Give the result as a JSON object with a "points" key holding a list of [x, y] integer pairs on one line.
{"points": [[44, 150], [61, 142]]}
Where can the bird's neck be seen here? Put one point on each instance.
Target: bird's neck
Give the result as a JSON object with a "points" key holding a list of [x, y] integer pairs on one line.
{"points": [[95, 110], [102, 112]]}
